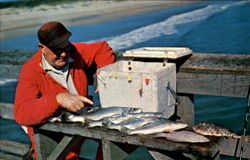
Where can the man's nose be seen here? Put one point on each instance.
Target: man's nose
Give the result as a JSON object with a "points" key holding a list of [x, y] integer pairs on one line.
{"points": [[63, 54]]}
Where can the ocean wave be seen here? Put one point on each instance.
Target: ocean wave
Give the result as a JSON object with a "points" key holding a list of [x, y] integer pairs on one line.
{"points": [[4, 81], [174, 25]]}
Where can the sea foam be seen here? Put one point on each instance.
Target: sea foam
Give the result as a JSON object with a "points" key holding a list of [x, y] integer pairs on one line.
{"points": [[174, 25]]}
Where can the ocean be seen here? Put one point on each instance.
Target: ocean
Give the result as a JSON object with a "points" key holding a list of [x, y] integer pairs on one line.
{"points": [[208, 27]]}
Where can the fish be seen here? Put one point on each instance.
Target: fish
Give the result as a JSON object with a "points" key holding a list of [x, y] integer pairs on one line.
{"points": [[120, 118], [55, 119], [70, 117], [183, 136], [210, 129], [147, 114], [158, 126], [95, 124], [67, 117], [96, 114], [131, 123], [101, 113], [118, 121]]}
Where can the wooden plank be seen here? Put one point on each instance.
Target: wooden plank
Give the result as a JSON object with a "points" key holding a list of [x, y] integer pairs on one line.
{"points": [[63, 148], [6, 110], [185, 110], [211, 62], [5, 156], [214, 74], [149, 141], [42, 141], [106, 149], [14, 147], [229, 147], [217, 84], [112, 152], [158, 155], [210, 74], [166, 155], [205, 150]]}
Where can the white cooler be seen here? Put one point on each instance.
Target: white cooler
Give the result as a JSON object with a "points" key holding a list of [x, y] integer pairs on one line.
{"points": [[140, 84]]}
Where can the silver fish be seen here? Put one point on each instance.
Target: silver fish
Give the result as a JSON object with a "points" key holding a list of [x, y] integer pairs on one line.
{"points": [[120, 118], [95, 124], [70, 117], [158, 126], [147, 114], [67, 117], [131, 123], [101, 113], [210, 129], [55, 119], [116, 119], [183, 136]]}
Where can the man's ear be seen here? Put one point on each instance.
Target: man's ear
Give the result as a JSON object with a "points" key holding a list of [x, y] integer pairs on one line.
{"points": [[40, 45]]}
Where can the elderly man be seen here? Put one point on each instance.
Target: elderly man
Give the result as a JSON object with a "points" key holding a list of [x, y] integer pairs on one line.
{"points": [[56, 77]]}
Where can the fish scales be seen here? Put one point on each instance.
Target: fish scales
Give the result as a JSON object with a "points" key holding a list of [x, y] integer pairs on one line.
{"points": [[158, 126], [210, 129], [184, 136], [95, 124], [132, 123], [110, 111], [67, 117], [116, 119], [120, 118], [138, 122]]}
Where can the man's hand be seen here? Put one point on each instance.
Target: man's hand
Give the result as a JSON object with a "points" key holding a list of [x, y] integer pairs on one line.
{"points": [[72, 102]]}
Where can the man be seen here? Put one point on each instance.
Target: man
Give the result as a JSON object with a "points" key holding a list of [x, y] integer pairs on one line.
{"points": [[55, 78]]}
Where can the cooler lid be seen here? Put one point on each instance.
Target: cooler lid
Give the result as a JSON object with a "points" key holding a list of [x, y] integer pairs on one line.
{"points": [[158, 52]]}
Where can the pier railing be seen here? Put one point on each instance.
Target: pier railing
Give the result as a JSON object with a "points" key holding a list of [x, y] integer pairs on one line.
{"points": [[200, 73]]}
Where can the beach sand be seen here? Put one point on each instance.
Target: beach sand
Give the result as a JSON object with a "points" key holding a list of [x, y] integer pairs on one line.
{"points": [[16, 22]]}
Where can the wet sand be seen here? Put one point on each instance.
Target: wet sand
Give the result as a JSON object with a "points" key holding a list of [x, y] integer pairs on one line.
{"points": [[16, 22]]}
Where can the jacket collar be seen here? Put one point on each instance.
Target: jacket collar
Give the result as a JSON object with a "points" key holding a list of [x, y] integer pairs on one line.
{"points": [[47, 67]]}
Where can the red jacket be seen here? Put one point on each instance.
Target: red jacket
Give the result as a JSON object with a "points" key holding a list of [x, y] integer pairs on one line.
{"points": [[35, 99]]}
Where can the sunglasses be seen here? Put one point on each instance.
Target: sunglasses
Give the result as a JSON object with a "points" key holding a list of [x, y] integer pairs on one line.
{"points": [[59, 51]]}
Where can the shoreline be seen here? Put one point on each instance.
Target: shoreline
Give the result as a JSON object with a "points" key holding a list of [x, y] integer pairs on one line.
{"points": [[23, 21]]}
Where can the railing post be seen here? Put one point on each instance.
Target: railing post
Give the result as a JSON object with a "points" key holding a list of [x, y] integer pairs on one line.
{"points": [[185, 110]]}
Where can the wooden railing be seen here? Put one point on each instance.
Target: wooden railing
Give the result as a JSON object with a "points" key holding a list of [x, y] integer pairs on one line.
{"points": [[207, 74]]}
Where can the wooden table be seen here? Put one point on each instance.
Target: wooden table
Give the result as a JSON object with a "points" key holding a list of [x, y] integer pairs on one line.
{"points": [[69, 133]]}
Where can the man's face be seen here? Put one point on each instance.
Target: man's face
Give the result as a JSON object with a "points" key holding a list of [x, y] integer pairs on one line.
{"points": [[57, 56]]}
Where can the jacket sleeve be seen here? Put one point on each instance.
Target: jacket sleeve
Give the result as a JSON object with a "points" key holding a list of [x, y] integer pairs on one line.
{"points": [[30, 107], [101, 54]]}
